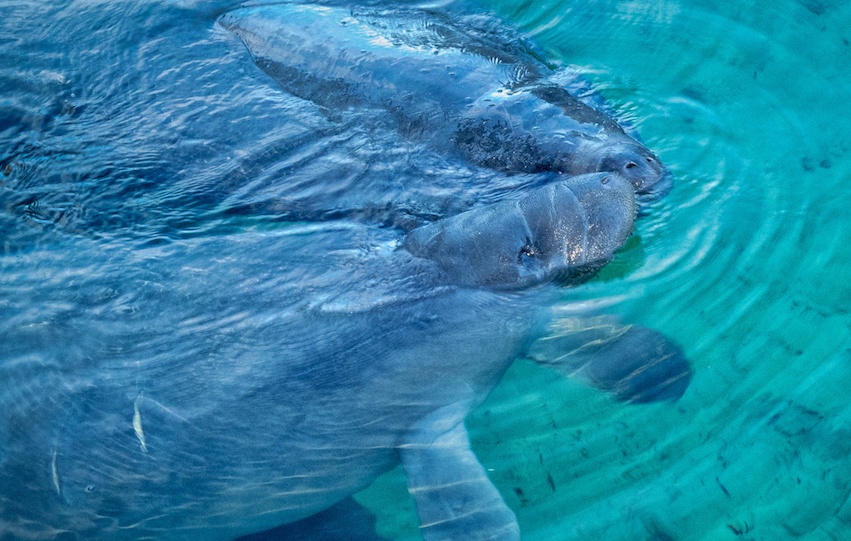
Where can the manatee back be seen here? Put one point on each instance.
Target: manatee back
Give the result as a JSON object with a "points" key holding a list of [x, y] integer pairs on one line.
{"points": [[406, 60], [218, 386]]}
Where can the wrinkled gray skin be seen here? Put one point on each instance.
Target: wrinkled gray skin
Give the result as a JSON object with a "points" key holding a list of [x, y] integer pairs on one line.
{"points": [[458, 86], [548, 234], [213, 387]]}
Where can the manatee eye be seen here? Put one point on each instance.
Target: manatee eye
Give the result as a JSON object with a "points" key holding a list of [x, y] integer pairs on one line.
{"points": [[526, 251], [90, 488]]}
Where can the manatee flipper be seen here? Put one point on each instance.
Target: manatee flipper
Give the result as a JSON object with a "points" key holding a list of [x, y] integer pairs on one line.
{"points": [[345, 521], [455, 499], [634, 363]]}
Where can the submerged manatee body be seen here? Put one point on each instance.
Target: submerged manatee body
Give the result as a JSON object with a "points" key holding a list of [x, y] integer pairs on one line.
{"points": [[460, 87], [205, 386], [213, 387]]}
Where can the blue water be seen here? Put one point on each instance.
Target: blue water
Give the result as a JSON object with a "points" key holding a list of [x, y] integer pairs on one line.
{"points": [[130, 127], [745, 262]]}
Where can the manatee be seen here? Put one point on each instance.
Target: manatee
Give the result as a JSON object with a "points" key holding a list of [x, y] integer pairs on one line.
{"points": [[239, 147], [219, 386], [460, 87]]}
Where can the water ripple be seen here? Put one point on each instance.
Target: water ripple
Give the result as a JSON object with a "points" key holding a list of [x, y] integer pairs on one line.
{"points": [[745, 262]]}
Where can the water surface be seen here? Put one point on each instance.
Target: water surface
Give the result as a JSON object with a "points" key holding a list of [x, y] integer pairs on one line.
{"points": [[745, 262]]}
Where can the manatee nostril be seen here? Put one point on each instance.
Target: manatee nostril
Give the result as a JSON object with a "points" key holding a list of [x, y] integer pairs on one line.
{"points": [[630, 165], [649, 159]]}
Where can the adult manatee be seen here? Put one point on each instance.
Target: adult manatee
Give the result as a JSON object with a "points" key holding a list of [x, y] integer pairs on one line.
{"points": [[458, 86], [213, 387]]}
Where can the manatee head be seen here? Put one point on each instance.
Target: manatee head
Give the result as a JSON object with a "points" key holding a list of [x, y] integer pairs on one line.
{"points": [[562, 231], [545, 128], [634, 162]]}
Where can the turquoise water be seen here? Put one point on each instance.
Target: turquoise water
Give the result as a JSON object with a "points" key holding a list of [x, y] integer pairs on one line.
{"points": [[744, 263]]}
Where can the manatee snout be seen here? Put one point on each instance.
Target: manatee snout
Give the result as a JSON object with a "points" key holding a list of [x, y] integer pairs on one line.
{"points": [[635, 163], [562, 230]]}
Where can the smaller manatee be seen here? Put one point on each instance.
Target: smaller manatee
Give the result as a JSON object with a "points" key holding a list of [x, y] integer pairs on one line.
{"points": [[543, 127], [449, 83]]}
